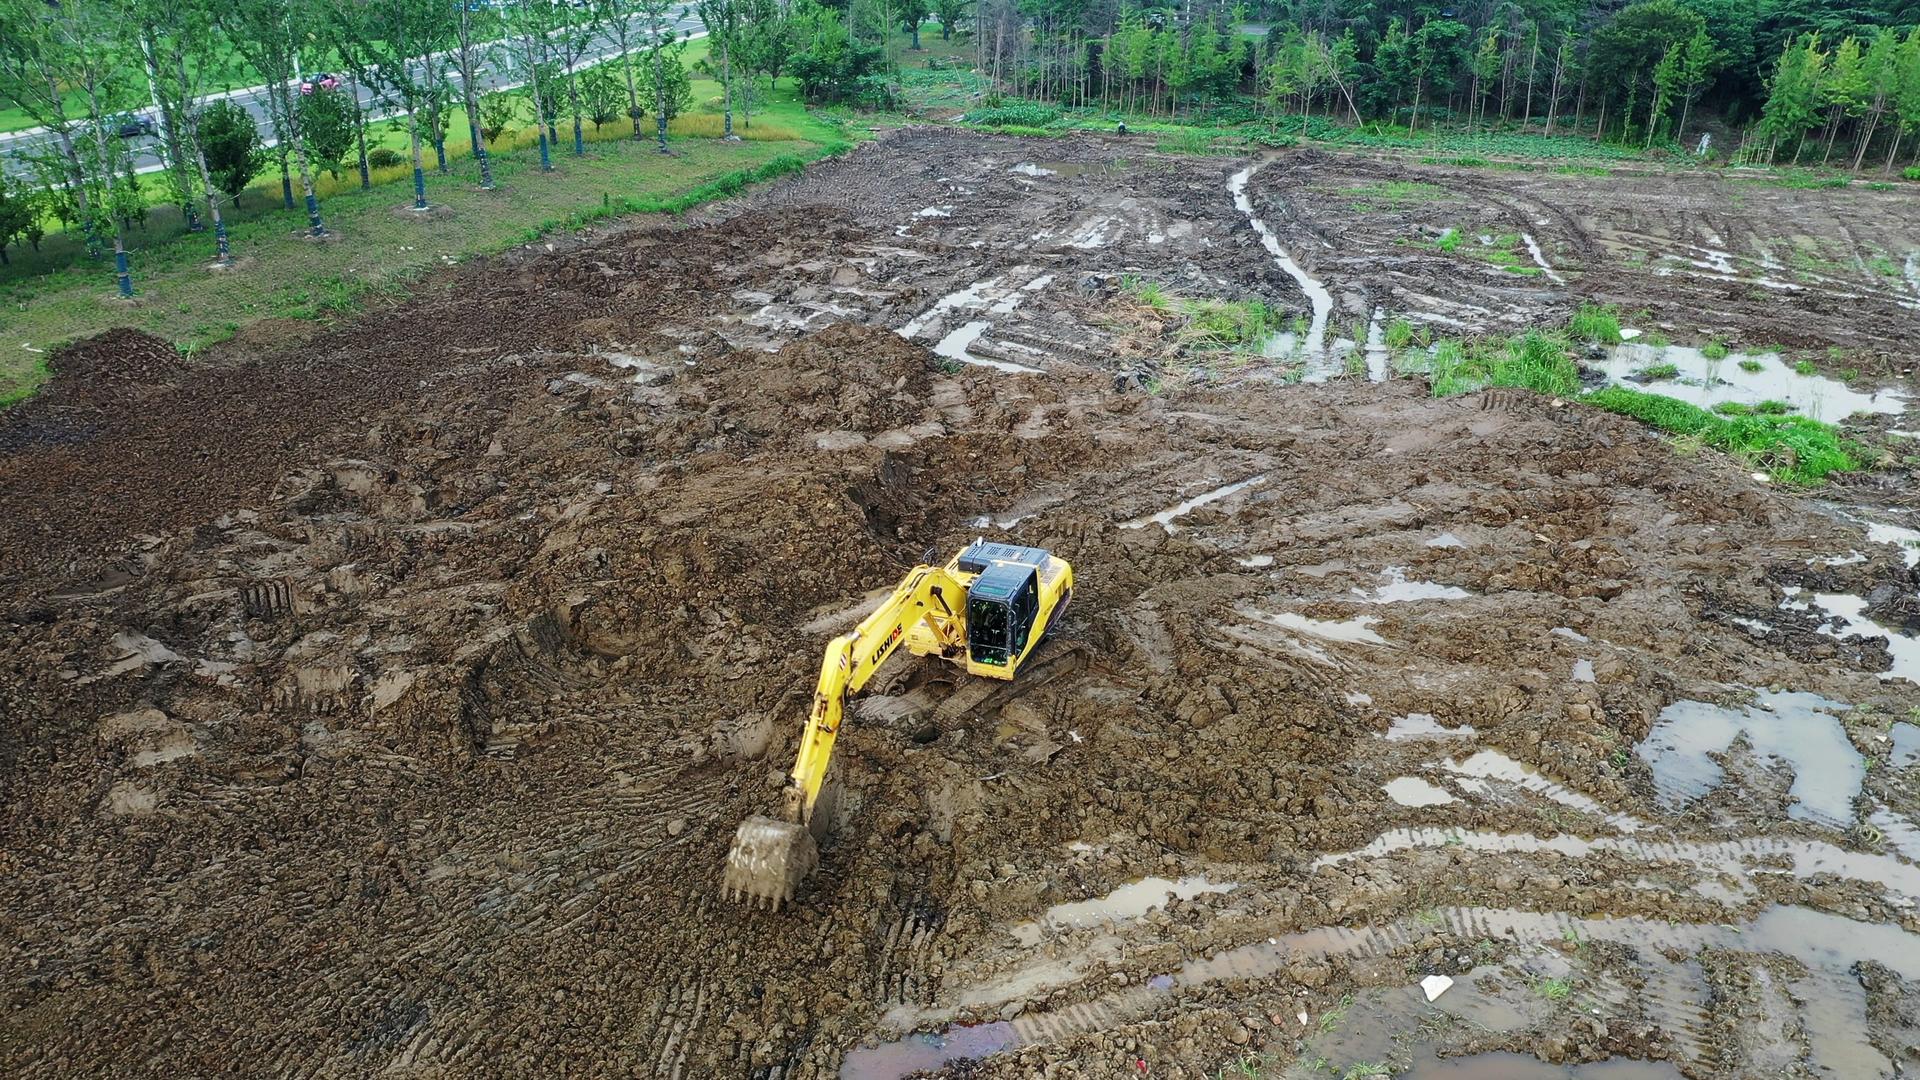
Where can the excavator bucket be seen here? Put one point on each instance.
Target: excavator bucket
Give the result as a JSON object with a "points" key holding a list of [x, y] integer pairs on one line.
{"points": [[768, 862]]}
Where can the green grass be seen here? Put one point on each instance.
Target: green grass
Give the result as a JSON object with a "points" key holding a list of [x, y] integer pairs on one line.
{"points": [[379, 249], [1227, 324], [1596, 322], [1533, 361], [1449, 241], [1714, 350], [1794, 449], [1397, 335], [1191, 141], [1804, 367], [1555, 989], [1393, 194], [1659, 371], [1752, 366], [1911, 172]]}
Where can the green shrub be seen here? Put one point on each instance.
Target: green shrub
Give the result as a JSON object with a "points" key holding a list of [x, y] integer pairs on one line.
{"points": [[1804, 367], [1659, 371], [1751, 366], [1714, 350], [1596, 322], [1772, 407], [1014, 114], [1537, 361], [381, 157], [1449, 240], [1911, 172]]}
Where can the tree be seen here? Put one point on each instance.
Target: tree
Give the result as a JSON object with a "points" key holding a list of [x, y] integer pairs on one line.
{"points": [[722, 20], [181, 50], [231, 142], [668, 85], [467, 52], [328, 124], [395, 33], [1697, 65], [950, 12], [268, 34], [528, 23], [911, 14], [576, 26], [1793, 94], [603, 96], [1666, 84], [658, 34]]}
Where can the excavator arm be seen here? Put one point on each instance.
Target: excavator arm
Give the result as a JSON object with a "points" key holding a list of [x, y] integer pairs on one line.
{"points": [[927, 605], [927, 613]]}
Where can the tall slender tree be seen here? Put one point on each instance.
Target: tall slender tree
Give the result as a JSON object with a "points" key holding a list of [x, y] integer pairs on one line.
{"points": [[269, 35]]}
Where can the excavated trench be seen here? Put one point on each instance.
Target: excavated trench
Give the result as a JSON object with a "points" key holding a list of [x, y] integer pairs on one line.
{"points": [[388, 706]]}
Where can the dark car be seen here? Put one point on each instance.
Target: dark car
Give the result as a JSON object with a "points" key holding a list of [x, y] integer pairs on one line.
{"points": [[135, 127]]}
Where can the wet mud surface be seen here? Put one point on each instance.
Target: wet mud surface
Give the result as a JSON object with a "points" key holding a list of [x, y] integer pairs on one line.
{"points": [[386, 705]]}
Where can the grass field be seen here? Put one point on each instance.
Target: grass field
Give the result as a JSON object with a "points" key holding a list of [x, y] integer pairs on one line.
{"points": [[379, 245]]}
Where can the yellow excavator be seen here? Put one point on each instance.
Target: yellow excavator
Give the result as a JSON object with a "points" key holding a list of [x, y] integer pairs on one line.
{"points": [[987, 609]]}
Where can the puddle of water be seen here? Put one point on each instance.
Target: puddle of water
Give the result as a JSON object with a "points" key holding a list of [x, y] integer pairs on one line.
{"points": [[1540, 259], [1093, 233], [1446, 540], [1570, 634], [1906, 745], [1028, 168], [1908, 540], [1494, 765], [1399, 590], [1353, 631], [1255, 562], [936, 211], [1583, 671], [1423, 726], [1851, 611], [1799, 729], [1706, 383], [1317, 293], [927, 1053], [1165, 518], [1413, 791], [1379, 357], [1129, 901], [954, 347], [1357, 697], [1504, 1065]]}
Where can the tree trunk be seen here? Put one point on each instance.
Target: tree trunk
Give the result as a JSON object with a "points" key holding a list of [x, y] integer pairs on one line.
{"points": [[726, 89], [1899, 130], [419, 174], [224, 256], [660, 95], [633, 93], [360, 130], [1873, 123]]}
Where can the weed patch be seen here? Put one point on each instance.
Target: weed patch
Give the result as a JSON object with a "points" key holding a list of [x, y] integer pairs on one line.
{"points": [[1795, 449]]}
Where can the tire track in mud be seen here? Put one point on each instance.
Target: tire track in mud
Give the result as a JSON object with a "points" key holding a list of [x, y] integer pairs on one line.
{"points": [[1808, 858], [1673, 995]]}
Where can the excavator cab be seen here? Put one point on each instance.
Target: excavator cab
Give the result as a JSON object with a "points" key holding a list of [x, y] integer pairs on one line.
{"points": [[1001, 605]]}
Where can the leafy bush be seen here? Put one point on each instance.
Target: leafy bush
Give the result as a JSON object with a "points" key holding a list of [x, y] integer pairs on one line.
{"points": [[381, 157], [1714, 350], [1659, 371], [1911, 172], [1015, 113]]}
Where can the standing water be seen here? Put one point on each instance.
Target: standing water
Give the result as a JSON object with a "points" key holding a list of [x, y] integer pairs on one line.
{"points": [[1317, 293]]}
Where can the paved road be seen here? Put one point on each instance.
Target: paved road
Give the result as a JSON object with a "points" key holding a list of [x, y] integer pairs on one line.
{"points": [[496, 73]]}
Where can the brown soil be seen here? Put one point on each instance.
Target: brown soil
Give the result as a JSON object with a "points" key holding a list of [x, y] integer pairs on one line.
{"points": [[387, 703]]}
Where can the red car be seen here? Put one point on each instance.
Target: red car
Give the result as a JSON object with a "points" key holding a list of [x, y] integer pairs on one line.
{"points": [[319, 80]]}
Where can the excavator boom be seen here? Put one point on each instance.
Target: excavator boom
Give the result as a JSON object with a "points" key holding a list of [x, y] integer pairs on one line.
{"points": [[1012, 595]]}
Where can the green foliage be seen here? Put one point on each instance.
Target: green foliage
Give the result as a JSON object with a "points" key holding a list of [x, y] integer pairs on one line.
{"points": [[1714, 350], [666, 85], [1795, 449], [21, 207], [1596, 322], [1014, 113], [1222, 324], [1804, 367], [1752, 366], [499, 111], [1659, 371], [1397, 335], [1394, 194], [329, 126], [1911, 172], [231, 142], [603, 96], [1533, 361], [382, 157], [1191, 141], [1449, 241]]}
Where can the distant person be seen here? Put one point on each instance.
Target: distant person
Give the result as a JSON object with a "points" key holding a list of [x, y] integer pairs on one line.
{"points": [[1121, 128]]}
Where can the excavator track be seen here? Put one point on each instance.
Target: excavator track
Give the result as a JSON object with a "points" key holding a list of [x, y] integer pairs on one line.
{"points": [[976, 696]]}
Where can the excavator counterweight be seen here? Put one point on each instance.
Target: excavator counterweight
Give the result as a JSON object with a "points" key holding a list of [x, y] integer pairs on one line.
{"points": [[987, 609]]}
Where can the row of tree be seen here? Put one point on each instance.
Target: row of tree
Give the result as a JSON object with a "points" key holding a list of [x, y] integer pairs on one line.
{"points": [[100, 75], [1634, 72], [1864, 90]]}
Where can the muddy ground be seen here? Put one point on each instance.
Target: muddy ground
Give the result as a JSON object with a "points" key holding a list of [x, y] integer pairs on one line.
{"points": [[386, 704]]}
